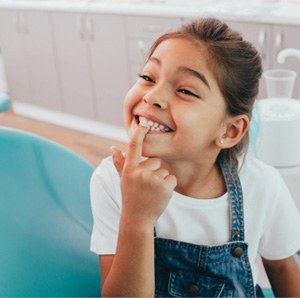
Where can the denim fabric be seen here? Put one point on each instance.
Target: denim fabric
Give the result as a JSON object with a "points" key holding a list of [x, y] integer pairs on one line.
{"points": [[190, 270]]}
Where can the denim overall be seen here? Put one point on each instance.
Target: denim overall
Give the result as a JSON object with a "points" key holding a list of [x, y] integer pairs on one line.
{"points": [[189, 270]]}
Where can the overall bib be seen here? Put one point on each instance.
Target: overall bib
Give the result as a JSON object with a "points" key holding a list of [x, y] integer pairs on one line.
{"points": [[189, 270]]}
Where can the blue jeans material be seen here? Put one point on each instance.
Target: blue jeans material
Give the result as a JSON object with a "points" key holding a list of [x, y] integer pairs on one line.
{"points": [[189, 270]]}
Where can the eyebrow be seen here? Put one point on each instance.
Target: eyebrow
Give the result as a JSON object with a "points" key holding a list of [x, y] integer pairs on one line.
{"points": [[186, 70], [194, 73]]}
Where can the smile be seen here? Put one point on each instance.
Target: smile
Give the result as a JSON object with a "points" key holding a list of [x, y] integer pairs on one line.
{"points": [[154, 126]]}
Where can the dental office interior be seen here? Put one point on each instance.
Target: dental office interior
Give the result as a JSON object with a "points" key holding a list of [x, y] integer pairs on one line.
{"points": [[61, 110]]}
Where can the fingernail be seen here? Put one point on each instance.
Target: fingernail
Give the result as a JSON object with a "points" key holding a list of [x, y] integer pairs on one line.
{"points": [[112, 148], [144, 124]]}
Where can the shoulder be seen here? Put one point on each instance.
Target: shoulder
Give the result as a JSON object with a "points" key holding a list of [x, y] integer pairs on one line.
{"points": [[257, 171], [261, 183]]}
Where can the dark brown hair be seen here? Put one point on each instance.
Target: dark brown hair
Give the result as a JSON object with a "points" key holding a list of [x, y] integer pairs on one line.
{"points": [[235, 64]]}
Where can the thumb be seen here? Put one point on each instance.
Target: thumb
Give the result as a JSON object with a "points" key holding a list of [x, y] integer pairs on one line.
{"points": [[118, 159]]}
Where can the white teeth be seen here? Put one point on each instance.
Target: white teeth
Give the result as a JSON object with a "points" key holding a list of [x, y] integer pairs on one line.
{"points": [[154, 126], [143, 121]]}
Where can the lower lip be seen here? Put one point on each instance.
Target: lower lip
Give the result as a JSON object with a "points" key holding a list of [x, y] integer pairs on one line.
{"points": [[152, 132]]}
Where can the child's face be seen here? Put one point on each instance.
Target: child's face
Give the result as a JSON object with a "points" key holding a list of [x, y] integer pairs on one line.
{"points": [[178, 93]]}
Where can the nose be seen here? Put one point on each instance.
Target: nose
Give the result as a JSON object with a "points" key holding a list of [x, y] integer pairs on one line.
{"points": [[157, 98]]}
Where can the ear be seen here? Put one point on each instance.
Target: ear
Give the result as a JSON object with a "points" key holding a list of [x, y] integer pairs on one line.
{"points": [[235, 131]]}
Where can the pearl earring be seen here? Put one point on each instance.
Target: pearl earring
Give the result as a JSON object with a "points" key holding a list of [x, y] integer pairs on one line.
{"points": [[221, 141]]}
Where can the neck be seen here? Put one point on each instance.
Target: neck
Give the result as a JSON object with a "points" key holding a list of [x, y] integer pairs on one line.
{"points": [[198, 180]]}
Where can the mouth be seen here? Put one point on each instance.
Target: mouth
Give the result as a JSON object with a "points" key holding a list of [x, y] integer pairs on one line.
{"points": [[155, 126]]}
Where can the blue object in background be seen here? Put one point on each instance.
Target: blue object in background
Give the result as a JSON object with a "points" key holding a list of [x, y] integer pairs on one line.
{"points": [[45, 220], [268, 293], [254, 129], [4, 102]]}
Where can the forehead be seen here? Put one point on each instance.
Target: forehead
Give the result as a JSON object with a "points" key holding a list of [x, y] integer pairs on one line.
{"points": [[182, 51]]}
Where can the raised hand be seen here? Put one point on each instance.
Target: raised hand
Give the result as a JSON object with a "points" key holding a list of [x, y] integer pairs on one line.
{"points": [[146, 186]]}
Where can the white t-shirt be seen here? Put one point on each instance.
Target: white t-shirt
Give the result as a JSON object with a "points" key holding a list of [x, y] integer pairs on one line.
{"points": [[272, 220]]}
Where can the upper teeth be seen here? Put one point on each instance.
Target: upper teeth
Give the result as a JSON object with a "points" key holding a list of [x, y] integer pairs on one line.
{"points": [[154, 126]]}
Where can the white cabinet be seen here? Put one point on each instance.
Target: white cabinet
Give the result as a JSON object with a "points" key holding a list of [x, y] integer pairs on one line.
{"points": [[270, 40], [92, 59], [27, 48], [141, 33], [109, 66], [13, 51], [73, 60]]}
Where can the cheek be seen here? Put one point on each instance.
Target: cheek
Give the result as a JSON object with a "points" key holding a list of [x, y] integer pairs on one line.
{"points": [[197, 126], [129, 103], [189, 122]]}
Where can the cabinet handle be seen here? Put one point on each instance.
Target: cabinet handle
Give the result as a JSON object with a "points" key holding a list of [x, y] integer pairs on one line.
{"points": [[90, 28], [80, 28], [278, 42], [141, 46], [24, 23], [20, 23], [154, 28], [16, 21], [261, 43]]}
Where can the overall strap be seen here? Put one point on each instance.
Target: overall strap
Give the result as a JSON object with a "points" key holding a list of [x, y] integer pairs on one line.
{"points": [[235, 196]]}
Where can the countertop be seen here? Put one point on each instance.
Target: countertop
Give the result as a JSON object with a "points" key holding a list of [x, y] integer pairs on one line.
{"points": [[264, 11]]}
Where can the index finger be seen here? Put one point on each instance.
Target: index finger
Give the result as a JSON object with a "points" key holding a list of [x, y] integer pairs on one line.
{"points": [[134, 150]]}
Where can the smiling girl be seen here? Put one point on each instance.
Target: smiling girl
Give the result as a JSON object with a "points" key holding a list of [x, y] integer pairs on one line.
{"points": [[186, 212]]}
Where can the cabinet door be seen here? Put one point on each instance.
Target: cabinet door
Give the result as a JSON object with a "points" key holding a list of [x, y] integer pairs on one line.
{"points": [[74, 64], [40, 55], [109, 65], [286, 36], [260, 36], [12, 48]]}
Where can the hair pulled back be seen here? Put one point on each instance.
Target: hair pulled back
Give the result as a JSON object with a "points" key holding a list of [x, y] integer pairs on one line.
{"points": [[235, 64]]}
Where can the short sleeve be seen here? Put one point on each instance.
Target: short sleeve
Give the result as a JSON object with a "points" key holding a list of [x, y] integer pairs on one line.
{"points": [[281, 237], [106, 205]]}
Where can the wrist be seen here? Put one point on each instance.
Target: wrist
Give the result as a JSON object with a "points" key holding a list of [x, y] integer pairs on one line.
{"points": [[136, 224]]}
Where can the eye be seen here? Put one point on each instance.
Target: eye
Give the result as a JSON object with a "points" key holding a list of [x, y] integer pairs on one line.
{"points": [[187, 92], [146, 78]]}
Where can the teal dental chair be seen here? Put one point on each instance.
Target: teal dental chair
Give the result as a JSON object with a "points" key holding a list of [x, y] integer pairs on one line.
{"points": [[45, 220]]}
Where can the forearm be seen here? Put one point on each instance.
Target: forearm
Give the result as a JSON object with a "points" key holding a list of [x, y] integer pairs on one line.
{"points": [[285, 280], [132, 271], [146, 190]]}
